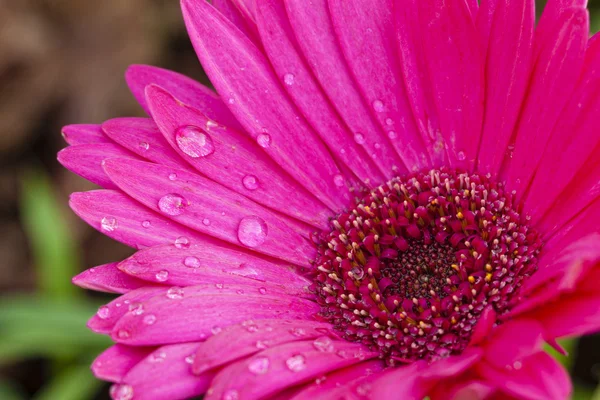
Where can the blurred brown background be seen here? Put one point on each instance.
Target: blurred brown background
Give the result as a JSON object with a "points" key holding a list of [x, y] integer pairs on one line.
{"points": [[61, 62]]}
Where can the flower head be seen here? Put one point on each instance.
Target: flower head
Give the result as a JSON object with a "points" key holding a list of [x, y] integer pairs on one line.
{"points": [[385, 200]]}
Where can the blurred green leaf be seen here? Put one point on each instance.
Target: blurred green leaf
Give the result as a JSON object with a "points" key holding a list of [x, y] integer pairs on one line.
{"points": [[54, 251], [596, 395], [570, 345], [74, 383], [9, 392]]}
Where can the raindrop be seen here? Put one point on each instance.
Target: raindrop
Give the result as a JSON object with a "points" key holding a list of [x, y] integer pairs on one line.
{"points": [[461, 155], [216, 330], [123, 334], [289, 79], [172, 176], [378, 105], [149, 319], [182, 242], [338, 180], [121, 392], [359, 138], [219, 285], [157, 357], [162, 275], [172, 204], [231, 394], [109, 224], [264, 140], [206, 221], [392, 135], [262, 290], [296, 363], [144, 146], [146, 224], [252, 231], [259, 365], [194, 142], [231, 100], [298, 332], [175, 293], [103, 312], [324, 344], [250, 182], [136, 309], [389, 121], [262, 344], [190, 359], [248, 271], [191, 262]]}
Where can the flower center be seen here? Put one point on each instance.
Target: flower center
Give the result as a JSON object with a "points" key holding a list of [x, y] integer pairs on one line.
{"points": [[410, 269]]}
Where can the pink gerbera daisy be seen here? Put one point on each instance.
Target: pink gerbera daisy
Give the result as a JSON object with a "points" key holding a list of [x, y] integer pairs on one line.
{"points": [[385, 200]]}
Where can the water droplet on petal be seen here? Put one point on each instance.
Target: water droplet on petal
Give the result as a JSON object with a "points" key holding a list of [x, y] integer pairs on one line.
{"points": [[136, 309], [191, 262], [123, 334], [219, 285], [146, 224], [392, 135], [157, 357], [231, 394], [103, 312], [324, 344], [298, 332], [389, 121], [206, 221], [296, 363], [216, 330], [359, 138], [121, 392], [252, 231], [461, 155], [190, 359], [175, 293], [250, 182], [173, 176], [264, 140], [289, 79], [109, 224], [262, 344], [149, 319], [259, 365], [172, 204], [162, 275], [262, 290], [194, 142], [378, 105], [182, 242], [338, 180], [144, 146], [358, 272]]}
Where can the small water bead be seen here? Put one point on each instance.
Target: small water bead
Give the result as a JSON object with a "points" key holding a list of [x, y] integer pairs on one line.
{"points": [[264, 140], [219, 285], [250, 182], [296, 363], [378, 105], [162, 275], [144, 146], [123, 334], [157, 357], [206, 222], [175, 293], [109, 224], [173, 176], [262, 290], [194, 142], [247, 271], [461, 155], [190, 359], [215, 330], [231, 394], [389, 121], [182, 242], [146, 224], [392, 135], [149, 319], [262, 344], [191, 262], [289, 79], [103, 312], [172, 204], [324, 344], [259, 365], [339, 181], [359, 138], [121, 392], [298, 332], [252, 231], [136, 309]]}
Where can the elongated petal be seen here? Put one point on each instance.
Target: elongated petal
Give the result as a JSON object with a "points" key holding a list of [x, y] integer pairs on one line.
{"points": [[574, 315], [84, 134], [108, 278], [186, 89], [116, 361], [230, 11], [209, 208], [503, 347], [174, 317], [234, 161], [269, 119], [284, 366], [251, 337]]}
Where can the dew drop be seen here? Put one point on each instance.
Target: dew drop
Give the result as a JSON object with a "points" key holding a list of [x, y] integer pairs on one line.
{"points": [[172, 204], [162, 275], [190, 359], [338, 180], [206, 221], [359, 138], [378, 105], [215, 330], [324, 344], [231, 394], [191, 262], [182, 242], [250, 182], [392, 135], [175, 293], [194, 142], [146, 224], [289, 79], [296, 363], [252, 231], [264, 140], [121, 392], [262, 344], [149, 319], [136, 309], [262, 290], [173, 176], [144, 146], [231, 100], [219, 285], [123, 334], [461, 155], [298, 332], [103, 312], [109, 224], [157, 357], [259, 365], [389, 121]]}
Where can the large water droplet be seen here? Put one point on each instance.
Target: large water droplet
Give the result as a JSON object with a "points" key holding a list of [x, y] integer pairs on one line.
{"points": [[194, 142], [175, 293], [162, 275], [172, 204], [289, 79], [378, 105], [250, 182], [252, 231], [259, 365], [264, 140], [231, 394], [324, 344], [191, 262], [296, 363], [109, 224], [182, 242], [103, 312], [121, 392]]}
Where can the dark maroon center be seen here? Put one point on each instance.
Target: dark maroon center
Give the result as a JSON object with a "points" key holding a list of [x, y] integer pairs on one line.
{"points": [[410, 269]]}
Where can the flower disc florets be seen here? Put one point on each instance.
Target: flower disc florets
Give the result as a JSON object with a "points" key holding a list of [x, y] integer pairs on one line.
{"points": [[411, 268]]}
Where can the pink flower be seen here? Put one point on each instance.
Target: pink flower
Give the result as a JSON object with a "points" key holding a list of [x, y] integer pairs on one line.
{"points": [[382, 202]]}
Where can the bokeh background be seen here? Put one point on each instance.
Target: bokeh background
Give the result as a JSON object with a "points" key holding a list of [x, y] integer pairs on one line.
{"points": [[61, 62]]}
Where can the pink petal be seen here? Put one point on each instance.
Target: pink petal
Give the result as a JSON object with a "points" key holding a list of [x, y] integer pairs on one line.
{"points": [[257, 100], [231, 12], [508, 66], [468, 390], [209, 208], [574, 315], [141, 136], [192, 264], [108, 278], [197, 312], [538, 377], [166, 375], [316, 39], [281, 48], [569, 226], [554, 78], [184, 88], [513, 341], [86, 160], [240, 341], [484, 326], [284, 366], [366, 35], [117, 360], [234, 159], [84, 134]]}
